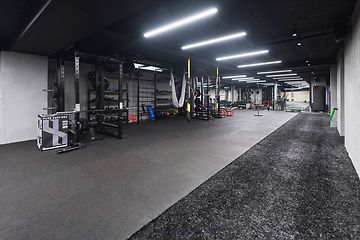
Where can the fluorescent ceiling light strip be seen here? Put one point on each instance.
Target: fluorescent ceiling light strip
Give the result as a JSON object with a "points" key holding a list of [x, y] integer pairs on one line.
{"points": [[181, 22], [239, 76], [258, 64], [295, 82], [215, 40], [274, 72], [298, 85], [242, 55], [247, 78], [151, 68], [292, 79], [284, 78], [302, 81], [255, 81], [282, 75]]}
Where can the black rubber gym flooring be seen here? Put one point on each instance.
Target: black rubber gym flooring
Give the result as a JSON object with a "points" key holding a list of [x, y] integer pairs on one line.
{"points": [[297, 183]]}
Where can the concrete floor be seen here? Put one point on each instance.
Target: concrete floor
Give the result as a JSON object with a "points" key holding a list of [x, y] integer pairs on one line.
{"points": [[111, 188]]}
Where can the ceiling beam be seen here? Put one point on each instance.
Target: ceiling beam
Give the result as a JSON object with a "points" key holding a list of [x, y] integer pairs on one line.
{"points": [[60, 23]]}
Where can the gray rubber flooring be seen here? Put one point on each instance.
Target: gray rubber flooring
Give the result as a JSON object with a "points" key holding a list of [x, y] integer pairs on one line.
{"points": [[112, 188], [297, 183]]}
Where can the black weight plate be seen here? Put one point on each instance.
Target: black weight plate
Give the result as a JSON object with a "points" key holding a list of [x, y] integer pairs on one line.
{"points": [[55, 105], [55, 91], [106, 83]]}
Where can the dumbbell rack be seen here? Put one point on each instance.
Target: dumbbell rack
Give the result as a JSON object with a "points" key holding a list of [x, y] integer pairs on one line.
{"points": [[164, 104]]}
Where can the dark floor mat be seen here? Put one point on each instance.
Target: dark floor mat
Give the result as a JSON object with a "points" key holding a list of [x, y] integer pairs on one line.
{"points": [[297, 183]]}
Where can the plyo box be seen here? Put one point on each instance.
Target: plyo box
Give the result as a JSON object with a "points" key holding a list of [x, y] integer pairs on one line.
{"points": [[52, 131]]}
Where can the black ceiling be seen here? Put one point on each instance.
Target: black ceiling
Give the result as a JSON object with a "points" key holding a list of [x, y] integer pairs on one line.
{"points": [[112, 27]]}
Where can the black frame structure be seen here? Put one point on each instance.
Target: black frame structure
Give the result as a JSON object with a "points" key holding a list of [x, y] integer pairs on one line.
{"points": [[99, 93]]}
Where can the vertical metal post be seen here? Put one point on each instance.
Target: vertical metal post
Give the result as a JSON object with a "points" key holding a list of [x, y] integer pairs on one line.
{"points": [[58, 77], [188, 109], [155, 112], [127, 100], [217, 92], [101, 94], [97, 93], [88, 96], [202, 91], [77, 91], [208, 98], [120, 100], [138, 97], [193, 88], [61, 84], [188, 92]]}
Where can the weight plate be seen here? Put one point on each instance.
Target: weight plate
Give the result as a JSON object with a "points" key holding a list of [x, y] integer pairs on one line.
{"points": [[55, 105], [55, 91]]}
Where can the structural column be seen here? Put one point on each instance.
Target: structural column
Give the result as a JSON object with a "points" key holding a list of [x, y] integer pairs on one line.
{"points": [[232, 94], [77, 91], [340, 93], [275, 94], [333, 94]]}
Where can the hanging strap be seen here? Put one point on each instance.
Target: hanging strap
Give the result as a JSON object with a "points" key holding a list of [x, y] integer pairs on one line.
{"points": [[173, 91], [178, 104]]}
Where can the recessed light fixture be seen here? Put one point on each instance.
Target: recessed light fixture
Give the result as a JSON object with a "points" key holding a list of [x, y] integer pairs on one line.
{"points": [[282, 75], [239, 76], [181, 22], [280, 71], [294, 31], [242, 55], [215, 40], [299, 43], [258, 64]]}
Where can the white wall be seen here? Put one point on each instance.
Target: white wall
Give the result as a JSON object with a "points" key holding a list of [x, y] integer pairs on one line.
{"points": [[301, 96], [333, 94], [352, 90], [297, 96], [340, 93], [22, 79]]}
